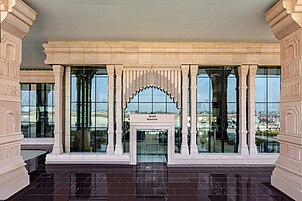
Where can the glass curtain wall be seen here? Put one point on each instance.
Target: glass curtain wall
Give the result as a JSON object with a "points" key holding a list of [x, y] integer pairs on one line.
{"points": [[37, 110], [217, 109], [89, 109], [267, 104], [151, 101]]}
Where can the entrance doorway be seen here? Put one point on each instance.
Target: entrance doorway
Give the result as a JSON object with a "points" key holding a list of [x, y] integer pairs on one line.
{"points": [[152, 146], [152, 138]]}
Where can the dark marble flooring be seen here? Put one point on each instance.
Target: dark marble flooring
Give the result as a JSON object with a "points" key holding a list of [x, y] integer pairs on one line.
{"points": [[150, 182]]}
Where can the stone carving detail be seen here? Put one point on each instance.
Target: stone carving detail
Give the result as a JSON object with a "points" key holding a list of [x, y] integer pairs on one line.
{"points": [[10, 152], [9, 89], [10, 64], [291, 70], [290, 152], [10, 123], [290, 49], [135, 81], [11, 118], [290, 120], [290, 90]]}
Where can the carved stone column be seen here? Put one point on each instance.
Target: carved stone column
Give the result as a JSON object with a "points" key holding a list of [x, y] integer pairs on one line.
{"points": [[16, 19], [285, 19], [242, 73], [251, 109], [193, 88], [110, 72], [119, 120], [58, 132], [184, 141]]}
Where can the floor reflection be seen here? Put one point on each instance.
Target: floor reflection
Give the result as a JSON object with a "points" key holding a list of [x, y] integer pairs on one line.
{"points": [[150, 181]]}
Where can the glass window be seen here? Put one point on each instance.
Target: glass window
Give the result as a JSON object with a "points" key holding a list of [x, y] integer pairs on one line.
{"points": [[217, 97], [89, 109], [160, 108], [159, 96], [101, 88], [203, 91], [101, 115], [145, 108], [232, 91], [145, 95], [273, 90], [267, 114], [37, 110]]}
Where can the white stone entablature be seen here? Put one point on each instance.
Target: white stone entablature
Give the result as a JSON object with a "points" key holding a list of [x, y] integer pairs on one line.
{"points": [[131, 53], [37, 76]]}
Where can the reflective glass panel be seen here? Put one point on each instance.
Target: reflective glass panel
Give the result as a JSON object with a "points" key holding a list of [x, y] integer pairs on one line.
{"points": [[89, 109], [267, 116], [217, 109]]}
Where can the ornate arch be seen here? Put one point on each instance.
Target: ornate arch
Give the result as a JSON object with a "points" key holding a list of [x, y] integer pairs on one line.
{"points": [[168, 81]]}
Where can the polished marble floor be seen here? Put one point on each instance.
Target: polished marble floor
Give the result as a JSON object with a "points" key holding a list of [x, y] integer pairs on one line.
{"points": [[150, 181]]}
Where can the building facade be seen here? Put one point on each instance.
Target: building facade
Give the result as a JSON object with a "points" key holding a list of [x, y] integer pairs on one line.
{"points": [[115, 98], [183, 103]]}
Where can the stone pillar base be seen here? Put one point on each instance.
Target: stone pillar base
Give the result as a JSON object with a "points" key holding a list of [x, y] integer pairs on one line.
{"points": [[13, 181], [288, 182], [184, 150], [253, 151], [110, 150], [118, 150], [193, 150], [243, 150], [57, 150]]}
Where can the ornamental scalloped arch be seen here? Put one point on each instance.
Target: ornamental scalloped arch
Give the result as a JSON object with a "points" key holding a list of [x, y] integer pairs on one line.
{"points": [[167, 81], [156, 87]]}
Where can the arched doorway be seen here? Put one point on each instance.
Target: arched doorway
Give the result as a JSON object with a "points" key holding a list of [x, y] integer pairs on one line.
{"points": [[152, 100]]}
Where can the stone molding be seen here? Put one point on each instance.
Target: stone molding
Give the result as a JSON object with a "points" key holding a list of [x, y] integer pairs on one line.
{"points": [[285, 17], [160, 53], [37, 76], [16, 17]]}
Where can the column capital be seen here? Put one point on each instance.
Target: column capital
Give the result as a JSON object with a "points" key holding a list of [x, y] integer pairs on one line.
{"points": [[110, 69], [118, 70], [243, 70], [22, 17], [193, 69], [253, 70], [58, 69], [184, 69]]}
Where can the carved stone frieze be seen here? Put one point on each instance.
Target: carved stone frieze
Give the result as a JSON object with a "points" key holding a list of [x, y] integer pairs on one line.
{"points": [[10, 151], [290, 47], [289, 120], [291, 152], [9, 88], [290, 90], [291, 70]]}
